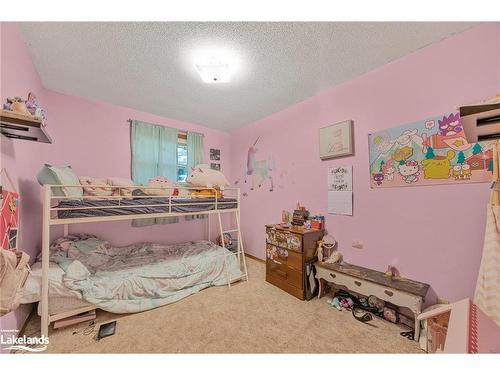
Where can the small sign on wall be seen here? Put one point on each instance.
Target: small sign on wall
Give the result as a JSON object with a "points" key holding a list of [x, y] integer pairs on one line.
{"points": [[340, 178]]}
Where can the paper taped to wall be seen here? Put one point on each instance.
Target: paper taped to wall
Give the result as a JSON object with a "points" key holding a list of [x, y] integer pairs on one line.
{"points": [[340, 202], [340, 190]]}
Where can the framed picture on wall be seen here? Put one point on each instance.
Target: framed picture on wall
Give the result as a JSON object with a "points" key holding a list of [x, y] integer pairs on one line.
{"points": [[214, 154], [215, 166], [336, 140]]}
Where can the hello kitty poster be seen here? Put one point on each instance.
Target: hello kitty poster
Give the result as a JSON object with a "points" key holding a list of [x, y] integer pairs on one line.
{"points": [[433, 151]]}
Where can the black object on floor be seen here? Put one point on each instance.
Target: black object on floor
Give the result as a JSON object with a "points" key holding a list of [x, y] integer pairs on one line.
{"points": [[366, 317], [410, 335], [106, 330]]}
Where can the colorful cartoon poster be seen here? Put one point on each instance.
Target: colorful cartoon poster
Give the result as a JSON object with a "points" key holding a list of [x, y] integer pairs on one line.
{"points": [[9, 222], [428, 152]]}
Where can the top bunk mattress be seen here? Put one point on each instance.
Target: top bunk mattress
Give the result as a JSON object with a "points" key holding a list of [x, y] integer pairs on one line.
{"points": [[180, 205]]}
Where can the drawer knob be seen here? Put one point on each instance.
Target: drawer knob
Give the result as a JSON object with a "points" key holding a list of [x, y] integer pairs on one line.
{"points": [[389, 293], [358, 283], [333, 275]]}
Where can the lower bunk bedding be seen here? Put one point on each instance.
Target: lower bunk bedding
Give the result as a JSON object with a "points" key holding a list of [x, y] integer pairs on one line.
{"points": [[132, 278]]}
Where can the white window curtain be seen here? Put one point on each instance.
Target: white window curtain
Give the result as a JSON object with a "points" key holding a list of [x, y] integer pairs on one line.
{"points": [[154, 153]]}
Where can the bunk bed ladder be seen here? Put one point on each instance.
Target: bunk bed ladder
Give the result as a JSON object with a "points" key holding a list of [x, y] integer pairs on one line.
{"points": [[240, 253]]}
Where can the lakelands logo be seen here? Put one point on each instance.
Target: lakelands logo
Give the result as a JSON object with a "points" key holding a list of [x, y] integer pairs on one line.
{"points": [[26, 343]]}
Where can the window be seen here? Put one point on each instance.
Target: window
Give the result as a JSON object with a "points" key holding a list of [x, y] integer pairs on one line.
{"points": [[182, 159]]}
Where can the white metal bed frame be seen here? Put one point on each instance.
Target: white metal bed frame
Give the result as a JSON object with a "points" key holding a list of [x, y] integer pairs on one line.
{"points": [[50, 218]]}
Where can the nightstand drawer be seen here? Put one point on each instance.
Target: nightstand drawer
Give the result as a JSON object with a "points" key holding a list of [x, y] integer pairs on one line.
{"points": [[281, 271]]}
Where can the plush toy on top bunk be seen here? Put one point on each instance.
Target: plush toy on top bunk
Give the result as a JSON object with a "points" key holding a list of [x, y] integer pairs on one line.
{"points": [[206, 179], [160, 185]]}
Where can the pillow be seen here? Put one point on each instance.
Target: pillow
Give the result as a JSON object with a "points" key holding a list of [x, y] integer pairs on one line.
{"points": [[62, 175], [31, 291]]}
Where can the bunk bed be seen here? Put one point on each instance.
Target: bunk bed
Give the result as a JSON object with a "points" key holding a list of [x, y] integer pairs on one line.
{"points": [[168, 202]]}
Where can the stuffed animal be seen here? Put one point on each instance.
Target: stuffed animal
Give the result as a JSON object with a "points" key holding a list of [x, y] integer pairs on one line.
{"points": [[335, 257], [376, 302], [159, 182], [18, 105], [392, 272], [204, 177], [34, 108], [205, 193]]}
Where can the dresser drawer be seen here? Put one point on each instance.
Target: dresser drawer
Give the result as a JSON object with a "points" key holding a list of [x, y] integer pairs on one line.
{"points": [[281, 271], [287, 257], [284, 239], [283, 285]]}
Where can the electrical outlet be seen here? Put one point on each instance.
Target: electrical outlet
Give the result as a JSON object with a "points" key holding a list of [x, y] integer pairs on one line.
{"points": [[357, 244]]}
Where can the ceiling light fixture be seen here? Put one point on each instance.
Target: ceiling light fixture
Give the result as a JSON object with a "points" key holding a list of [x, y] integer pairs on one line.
{"points": [[214, 71]]}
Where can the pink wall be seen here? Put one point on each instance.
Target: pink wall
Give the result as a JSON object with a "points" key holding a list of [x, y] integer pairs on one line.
{"points": [[433, 234], [90, 136], [93, 138], [18, 77]]}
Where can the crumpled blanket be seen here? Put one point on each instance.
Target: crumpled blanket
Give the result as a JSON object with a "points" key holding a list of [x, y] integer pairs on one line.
{"points": [[141, 276], [91, 187]]}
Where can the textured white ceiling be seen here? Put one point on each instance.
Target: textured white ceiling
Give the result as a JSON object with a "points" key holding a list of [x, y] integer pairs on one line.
{"points": [[149, 66]]}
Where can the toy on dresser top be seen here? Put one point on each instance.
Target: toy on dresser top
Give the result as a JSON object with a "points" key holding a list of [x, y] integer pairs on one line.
{"points": [[300, 215], [301, 218]]}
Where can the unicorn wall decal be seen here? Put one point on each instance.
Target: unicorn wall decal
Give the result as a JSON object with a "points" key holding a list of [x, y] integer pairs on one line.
{"points": [[258, 169]]}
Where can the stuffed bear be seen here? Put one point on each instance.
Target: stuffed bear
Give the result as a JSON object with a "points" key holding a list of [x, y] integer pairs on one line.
{"points": [[204, 177]]}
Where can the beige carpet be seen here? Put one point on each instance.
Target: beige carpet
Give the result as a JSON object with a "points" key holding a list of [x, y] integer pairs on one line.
{"points": [[251, 317]]}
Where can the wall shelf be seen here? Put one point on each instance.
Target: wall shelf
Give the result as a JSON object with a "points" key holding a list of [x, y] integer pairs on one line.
{"points": [[17, 126]]}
